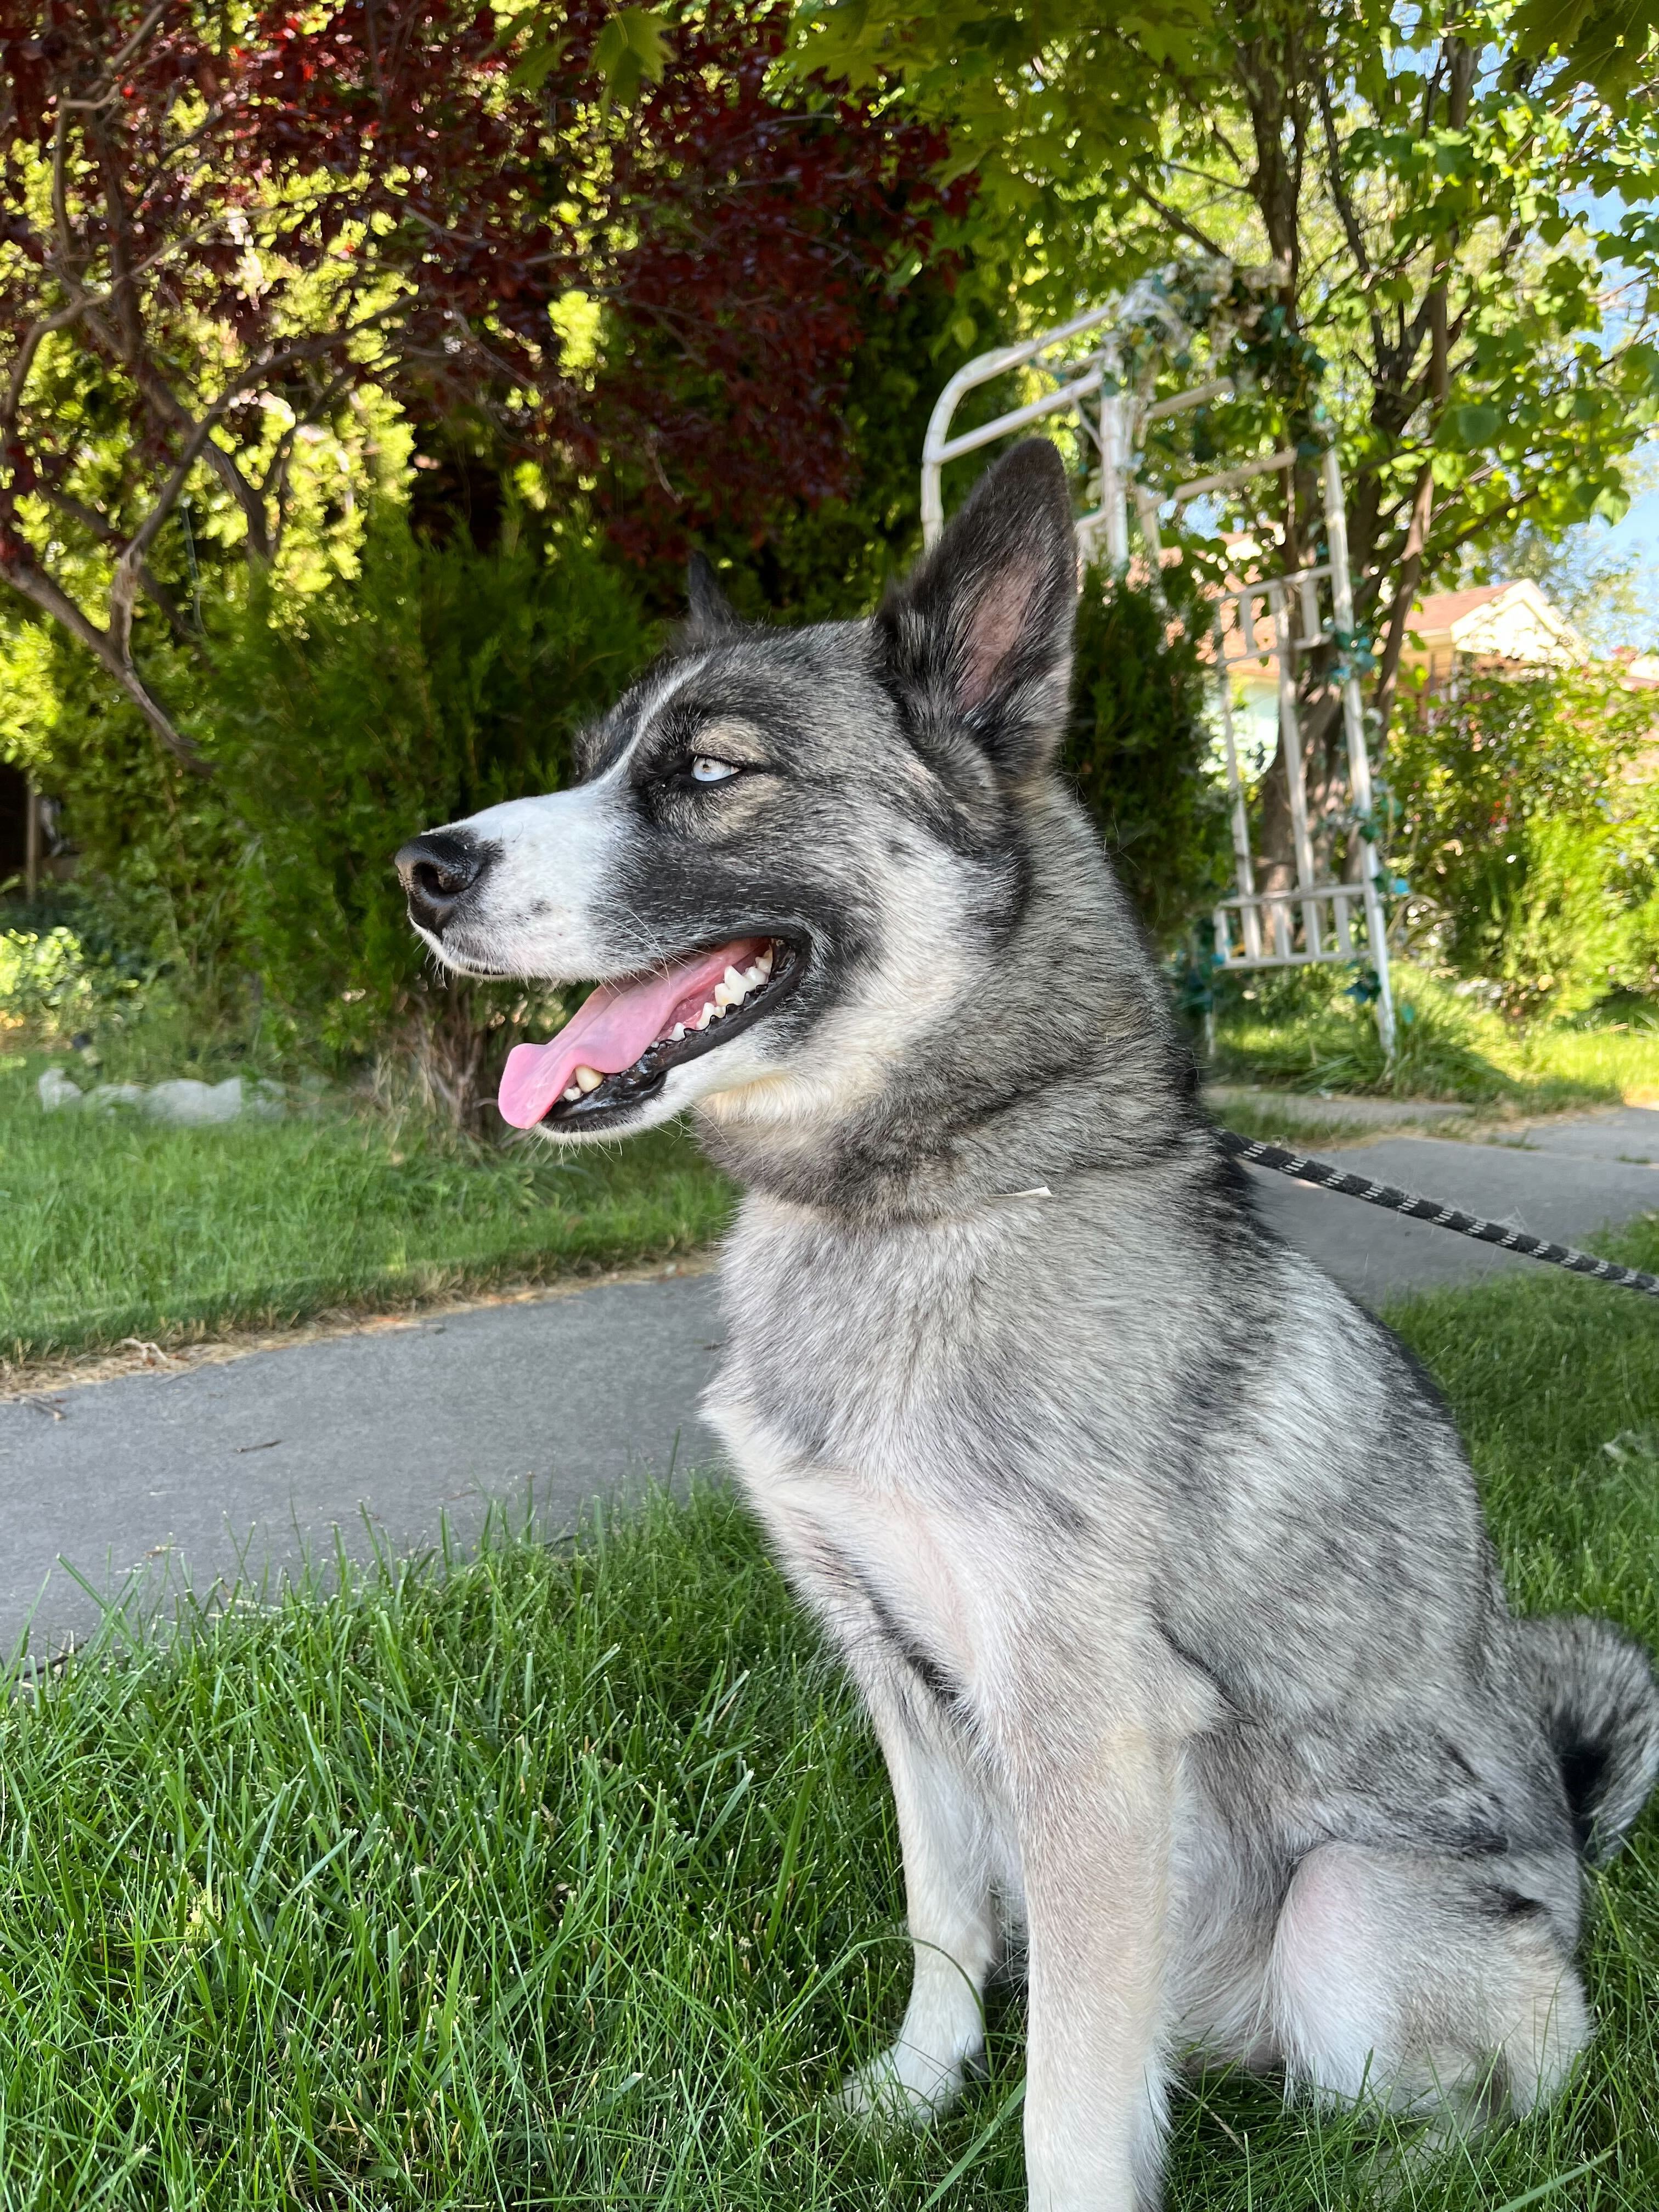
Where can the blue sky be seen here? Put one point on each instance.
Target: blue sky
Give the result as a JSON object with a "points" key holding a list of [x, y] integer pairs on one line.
{"points": [[1635, 538], [1638, 534]]}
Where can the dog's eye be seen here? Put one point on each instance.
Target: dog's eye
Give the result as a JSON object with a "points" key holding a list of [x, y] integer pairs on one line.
{"points": [[706, 770]]}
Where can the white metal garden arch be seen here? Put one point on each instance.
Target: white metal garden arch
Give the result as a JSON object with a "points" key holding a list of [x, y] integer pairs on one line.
{"points": [[1107, 390]]}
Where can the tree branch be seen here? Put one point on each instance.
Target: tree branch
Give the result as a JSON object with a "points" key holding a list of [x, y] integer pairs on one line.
{"points": [[1342, 200], [128, 569], [202, 445], [36, 586], [138, 38], [170, 410], [1410, 571], [84, 303], [98, 526], [273, 487], [1177, 220], [1506, 510], [26, 352], [1207, 177]]}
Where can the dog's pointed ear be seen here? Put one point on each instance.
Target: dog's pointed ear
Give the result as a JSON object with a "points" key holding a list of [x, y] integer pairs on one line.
{"points": [[708, 611], [978, 637]]}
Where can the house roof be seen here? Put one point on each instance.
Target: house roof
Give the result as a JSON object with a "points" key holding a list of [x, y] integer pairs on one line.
{"points": [[1511, 621], [1441, 610], [1641, 670]]}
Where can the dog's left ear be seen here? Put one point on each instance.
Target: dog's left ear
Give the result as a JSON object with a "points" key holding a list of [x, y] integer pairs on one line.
{"points": [[708, 611], [978, 636]]}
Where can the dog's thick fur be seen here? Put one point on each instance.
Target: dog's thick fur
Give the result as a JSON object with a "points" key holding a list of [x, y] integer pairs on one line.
{"points": [[1157, 1561]]}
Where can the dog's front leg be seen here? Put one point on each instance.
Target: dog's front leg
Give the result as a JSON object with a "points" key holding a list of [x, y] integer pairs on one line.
{"points": [[943, 1833], [1094, 1849]]}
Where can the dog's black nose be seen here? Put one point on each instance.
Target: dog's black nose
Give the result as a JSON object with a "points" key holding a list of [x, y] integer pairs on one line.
{"points": [[438, 870]]}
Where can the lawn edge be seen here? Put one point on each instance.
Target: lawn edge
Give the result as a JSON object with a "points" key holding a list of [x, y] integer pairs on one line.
{"points": [[177, 1348]]}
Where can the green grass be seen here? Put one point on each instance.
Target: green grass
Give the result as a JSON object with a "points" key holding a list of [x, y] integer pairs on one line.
{"points": [[556, 1878], [1288, 1118], [1300, 1032], [112, 1226]]}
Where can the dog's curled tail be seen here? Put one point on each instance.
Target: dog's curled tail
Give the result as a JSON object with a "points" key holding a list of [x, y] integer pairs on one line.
{"points": [[1599, 1704]]}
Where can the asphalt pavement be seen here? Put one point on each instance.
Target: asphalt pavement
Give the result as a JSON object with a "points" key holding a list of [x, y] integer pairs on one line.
{"points": [[1565, 1181], [396, 1434]]}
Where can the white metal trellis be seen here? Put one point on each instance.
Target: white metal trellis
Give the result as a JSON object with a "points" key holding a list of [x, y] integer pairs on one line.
{"points": [[1285, 615]]}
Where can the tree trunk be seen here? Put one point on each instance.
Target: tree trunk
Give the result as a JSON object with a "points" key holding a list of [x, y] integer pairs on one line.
{"points": [[445, 1042]]}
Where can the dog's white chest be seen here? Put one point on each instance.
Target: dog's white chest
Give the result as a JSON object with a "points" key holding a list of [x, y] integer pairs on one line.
{"points": [[861, 1542], [850, 1401]]}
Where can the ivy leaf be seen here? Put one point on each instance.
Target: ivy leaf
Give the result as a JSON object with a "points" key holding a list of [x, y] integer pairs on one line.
{"points": [[631, 49], [1466, 428], [530, 72]]}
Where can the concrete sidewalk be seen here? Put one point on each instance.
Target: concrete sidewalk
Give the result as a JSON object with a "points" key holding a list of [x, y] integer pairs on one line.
{"points": [[389, 1432]]}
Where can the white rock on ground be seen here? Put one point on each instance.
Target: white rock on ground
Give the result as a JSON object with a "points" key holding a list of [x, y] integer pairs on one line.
{"points": [[184, 1102], [55, 1091], [108, 1095]]}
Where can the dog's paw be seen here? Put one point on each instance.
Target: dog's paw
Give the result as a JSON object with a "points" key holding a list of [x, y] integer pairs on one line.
{"points": [[902, 2089]]}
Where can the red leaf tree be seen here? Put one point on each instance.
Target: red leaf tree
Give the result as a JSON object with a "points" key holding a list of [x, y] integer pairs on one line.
{"points": [[767, 228], [211, 237]]}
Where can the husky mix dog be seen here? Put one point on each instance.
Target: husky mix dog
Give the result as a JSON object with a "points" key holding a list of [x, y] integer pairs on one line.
{"points": [[1156, 1560]]}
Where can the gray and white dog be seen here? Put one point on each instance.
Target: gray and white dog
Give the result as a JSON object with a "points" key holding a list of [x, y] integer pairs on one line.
{"points": [[1157, 1562]]}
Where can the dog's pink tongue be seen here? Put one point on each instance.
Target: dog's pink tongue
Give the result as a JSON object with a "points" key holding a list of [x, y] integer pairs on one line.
{"points": [[612, 1027]]}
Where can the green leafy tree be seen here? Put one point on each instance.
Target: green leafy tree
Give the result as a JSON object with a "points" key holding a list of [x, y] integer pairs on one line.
{"points": [[1411, 184], [229, 230]]}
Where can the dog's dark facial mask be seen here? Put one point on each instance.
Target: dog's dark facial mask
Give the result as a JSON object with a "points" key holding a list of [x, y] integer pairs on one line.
{"points": [[788, 851]]}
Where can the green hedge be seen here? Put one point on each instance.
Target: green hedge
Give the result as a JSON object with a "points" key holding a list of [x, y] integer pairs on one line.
{"points": [[1138, 747]]}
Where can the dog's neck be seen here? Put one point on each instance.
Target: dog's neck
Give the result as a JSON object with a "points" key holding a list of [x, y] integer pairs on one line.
{"points": [[1082, 1069]]}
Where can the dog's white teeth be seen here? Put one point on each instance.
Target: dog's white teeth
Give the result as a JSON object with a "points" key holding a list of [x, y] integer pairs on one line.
{"points": [[705, 1018], [573, 1094], [588, 1078], [723, 997], [763, 963], [736, 984], [677, 1033], [754, 975]]}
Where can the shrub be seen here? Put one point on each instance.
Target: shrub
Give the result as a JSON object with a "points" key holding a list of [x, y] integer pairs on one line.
{"points": [[1138, 744], [1308, 1030], [1528, 831], [439, 680], [49, 990], [444, 680]]}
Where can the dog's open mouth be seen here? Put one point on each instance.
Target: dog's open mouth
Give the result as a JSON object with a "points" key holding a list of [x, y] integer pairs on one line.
{"points": [[616, 1051]]}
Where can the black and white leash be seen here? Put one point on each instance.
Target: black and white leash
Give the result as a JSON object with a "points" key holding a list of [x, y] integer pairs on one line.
{"points": [[1327, 1177]]}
